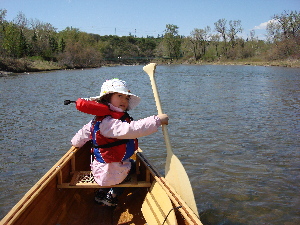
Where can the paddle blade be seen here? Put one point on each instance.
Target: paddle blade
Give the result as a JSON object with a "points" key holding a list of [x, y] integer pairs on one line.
{"points": [[179, 180], [157, 205]]}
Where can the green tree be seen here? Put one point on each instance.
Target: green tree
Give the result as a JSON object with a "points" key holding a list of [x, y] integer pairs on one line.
{"points": [[146, 47], [10, 40], [3, 23], [43, 40], [172, 41], [22, 48], [215, 41], [61, 45]]}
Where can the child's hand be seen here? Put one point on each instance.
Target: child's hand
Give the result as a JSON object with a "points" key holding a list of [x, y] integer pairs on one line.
{"points": [[163, 118]]}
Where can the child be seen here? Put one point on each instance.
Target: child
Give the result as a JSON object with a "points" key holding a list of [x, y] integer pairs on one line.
{"points": [[114, 136]]}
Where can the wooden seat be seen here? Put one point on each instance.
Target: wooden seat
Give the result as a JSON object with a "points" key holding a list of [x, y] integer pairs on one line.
{"points": [[85, 179]]}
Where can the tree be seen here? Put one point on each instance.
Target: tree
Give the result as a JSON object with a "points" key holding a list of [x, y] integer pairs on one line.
{"points": [[44, 39], [21, 21], [284, 26], [289, 23], [199, 40], [10, 40], [220, 27], [79, 56], [61, 45], [3, 23], [22, 48], [234, 28], [273, 31], [2, 15], [252, 35], [172, 41], [215, 40], [284, 31], [146, 46]]}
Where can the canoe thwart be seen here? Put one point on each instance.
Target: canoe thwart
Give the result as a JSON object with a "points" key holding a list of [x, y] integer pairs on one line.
{"points": [[85, 179]]}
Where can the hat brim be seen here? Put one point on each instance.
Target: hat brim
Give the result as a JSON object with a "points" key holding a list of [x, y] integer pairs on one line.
{"points": [[133, 101]]}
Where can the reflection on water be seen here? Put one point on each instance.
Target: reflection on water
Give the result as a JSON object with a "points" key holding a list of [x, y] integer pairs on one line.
{"points": [[235, 128]]}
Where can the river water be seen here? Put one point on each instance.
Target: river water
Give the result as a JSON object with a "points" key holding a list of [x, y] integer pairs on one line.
{"points": [[235, 129]]}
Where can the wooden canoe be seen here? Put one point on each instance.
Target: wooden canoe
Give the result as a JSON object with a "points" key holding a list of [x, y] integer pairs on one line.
{"points": [[65, 195]]}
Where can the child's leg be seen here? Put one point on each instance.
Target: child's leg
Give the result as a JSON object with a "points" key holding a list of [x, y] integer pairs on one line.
{"points": [[117, 191], [111, 197], [133, 166]]}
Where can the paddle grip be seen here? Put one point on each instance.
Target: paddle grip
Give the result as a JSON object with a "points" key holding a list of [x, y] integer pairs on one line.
{"points": [[67, 102]]}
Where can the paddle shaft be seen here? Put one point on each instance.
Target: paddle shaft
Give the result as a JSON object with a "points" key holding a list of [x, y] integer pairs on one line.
{"points": [[159, 110]]}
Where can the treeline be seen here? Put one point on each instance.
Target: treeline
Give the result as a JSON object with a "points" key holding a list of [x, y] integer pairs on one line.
{"points": [[23, 41]]}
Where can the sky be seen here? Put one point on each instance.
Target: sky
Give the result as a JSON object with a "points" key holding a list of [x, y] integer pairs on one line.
{"points": [[149, 17]]}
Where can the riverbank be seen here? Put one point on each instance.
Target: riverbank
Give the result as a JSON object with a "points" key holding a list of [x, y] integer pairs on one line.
{"points": [[23, 65], [9, 66], [282, 63], [254, 62]]}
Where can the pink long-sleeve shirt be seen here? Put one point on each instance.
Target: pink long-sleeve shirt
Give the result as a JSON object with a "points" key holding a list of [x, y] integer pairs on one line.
{"points": [[107, 174]]}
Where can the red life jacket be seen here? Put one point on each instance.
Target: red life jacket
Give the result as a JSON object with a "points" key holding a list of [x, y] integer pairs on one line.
{"points": [[95, 108], [107, 150]]}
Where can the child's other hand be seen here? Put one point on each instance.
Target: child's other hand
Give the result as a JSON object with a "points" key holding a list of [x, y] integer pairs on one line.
{"points": [[164, 119]]}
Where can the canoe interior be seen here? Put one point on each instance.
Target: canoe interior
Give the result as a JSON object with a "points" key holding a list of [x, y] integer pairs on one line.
{"points": [[51, 205]]}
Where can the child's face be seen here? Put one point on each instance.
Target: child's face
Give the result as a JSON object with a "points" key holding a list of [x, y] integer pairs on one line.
{"points": [[120, 100]]}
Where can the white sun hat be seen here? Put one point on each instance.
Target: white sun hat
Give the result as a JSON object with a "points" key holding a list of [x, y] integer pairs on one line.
{"points": [[119, 86]]}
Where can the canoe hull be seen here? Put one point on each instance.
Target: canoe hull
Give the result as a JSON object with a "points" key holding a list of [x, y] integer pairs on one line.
{"points": [[45, 203]]}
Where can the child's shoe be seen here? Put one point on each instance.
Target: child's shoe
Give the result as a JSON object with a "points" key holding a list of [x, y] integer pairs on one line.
{"points": [[109, 200], [100, 196]]}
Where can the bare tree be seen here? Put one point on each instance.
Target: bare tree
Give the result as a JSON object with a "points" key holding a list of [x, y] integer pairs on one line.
{"points": [[273, 31], [199, 39], [289, 23], [2, 15], [234, 28], [220, 27], [21, 21]]}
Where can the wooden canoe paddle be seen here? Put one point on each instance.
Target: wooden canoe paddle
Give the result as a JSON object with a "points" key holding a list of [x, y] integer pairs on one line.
{"points": [[175, 173]]}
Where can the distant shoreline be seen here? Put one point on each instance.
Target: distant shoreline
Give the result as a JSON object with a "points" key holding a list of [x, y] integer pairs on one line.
{"points": [[43, 66]]}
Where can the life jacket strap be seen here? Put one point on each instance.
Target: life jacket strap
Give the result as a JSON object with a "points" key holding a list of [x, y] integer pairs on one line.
{"points": [[116, 143], [113, 144], [126, 115]]}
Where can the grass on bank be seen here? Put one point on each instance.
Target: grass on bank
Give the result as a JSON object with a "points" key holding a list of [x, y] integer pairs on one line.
{"points": [[249, 61], [259, 62], [27, 65]]}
